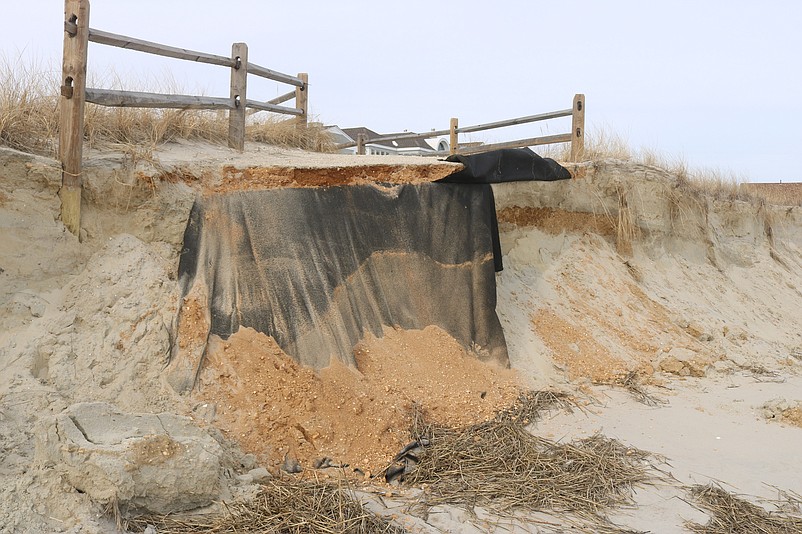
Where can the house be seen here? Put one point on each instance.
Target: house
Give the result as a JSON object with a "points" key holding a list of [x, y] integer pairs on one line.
{"points": [[398, 147]]}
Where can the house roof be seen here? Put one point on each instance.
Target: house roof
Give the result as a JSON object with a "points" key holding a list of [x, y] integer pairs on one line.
{"points": [[338, 136], [398, 143]]}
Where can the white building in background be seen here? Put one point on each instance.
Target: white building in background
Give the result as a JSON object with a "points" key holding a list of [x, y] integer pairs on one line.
{"points": [[399, 147]]}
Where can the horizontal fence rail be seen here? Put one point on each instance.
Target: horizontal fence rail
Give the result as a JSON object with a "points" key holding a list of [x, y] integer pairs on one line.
{"points": [[514, 122], [277, 76], [576, 136], [130, 99], [130, 43], [267, 106], [78, 35]]}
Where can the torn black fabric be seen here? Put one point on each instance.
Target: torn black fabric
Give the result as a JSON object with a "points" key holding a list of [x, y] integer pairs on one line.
{"points": [[499, 166], [507, 165]]}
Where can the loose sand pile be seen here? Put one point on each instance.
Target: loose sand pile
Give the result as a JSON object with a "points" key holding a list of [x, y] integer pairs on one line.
{"points": [[360, 417], [618, 274]]}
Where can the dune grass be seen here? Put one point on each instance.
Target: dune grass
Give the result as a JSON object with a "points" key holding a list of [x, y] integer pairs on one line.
{"points": [[711, 183], [29, 117], [29, 122]]}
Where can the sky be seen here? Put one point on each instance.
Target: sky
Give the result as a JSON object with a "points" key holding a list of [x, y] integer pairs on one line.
{"points": [[713, 83]]}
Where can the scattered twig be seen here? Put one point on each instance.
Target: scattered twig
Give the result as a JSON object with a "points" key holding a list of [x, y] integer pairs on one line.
{"points": [[632, 384]]}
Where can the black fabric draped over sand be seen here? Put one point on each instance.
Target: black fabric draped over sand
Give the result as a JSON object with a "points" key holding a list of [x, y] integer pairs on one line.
{"points": [[318, 268]]}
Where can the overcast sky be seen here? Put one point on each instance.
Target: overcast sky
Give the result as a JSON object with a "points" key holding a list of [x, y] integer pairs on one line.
{"points": [[716, 83]]}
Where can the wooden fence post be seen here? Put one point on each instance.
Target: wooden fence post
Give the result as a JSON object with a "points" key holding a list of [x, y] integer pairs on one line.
{"points": [[360, 143], [71, 120], [302, 101], [578, 128], [453, 136], [239, 89]]}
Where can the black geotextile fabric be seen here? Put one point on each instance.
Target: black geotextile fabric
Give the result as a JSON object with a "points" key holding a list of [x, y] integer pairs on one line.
{"points": [[499, 166], [318, 268], [507, 165]]}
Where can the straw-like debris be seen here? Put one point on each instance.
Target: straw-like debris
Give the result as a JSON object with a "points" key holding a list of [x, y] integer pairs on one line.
{"points": [[527, 409], [502, 467], [631, 383], [284, 506], [730, 514]]}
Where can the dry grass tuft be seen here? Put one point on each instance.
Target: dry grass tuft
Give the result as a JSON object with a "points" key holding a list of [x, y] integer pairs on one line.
{"points": [[631, 383], [279, 132], [732, 515], [284, 506], [709, 183], [599, 144], [28, 107], [29, 118], [777, 193], [501, 466]]}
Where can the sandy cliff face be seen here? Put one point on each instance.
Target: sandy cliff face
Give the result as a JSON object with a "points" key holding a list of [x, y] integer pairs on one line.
{"points": [[616, 272], [624, 270]]}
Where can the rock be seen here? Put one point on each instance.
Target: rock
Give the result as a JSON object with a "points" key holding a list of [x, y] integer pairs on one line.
{"points": [[670, 364], [35, 304], [205, 411], [697, 367], [684, 362], [248, 461], [259, 475], [245, 479], [291, 465], [146, 462]]}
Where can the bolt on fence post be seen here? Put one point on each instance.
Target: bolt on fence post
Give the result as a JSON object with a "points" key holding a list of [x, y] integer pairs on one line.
{"points": [[71, 119], [239, 88], [578, 128], [302, 101], [453, 136]]}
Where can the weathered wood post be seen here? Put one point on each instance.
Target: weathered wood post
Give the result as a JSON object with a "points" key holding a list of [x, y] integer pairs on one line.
{"points": [[453, 137], [302, 101], [239, 89], [360, 143], [578, 128], [71, 120]]}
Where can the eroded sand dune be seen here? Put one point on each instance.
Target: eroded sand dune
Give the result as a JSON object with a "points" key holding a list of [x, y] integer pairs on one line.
{"points": [[619, 276]]}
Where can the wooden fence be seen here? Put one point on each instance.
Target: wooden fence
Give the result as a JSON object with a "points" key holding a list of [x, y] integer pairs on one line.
{"points": [[576, 136], [78, 34]]}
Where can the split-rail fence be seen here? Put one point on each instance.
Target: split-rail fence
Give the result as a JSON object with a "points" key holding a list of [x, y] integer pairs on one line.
{"points": [[576, 136], [74, 94]]}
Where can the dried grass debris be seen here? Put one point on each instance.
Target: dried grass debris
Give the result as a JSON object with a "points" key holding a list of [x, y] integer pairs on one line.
{"points": [[502, 467], [730, 514], [283, 506], [632, 384]]}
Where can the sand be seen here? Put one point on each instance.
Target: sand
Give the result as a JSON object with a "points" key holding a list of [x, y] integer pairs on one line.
{"points": [[357, 417], [700, 304]]}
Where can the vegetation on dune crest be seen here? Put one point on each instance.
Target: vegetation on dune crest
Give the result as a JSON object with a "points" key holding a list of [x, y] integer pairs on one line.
{"points": [[711, 183], [29, 118], [29, 122]]}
